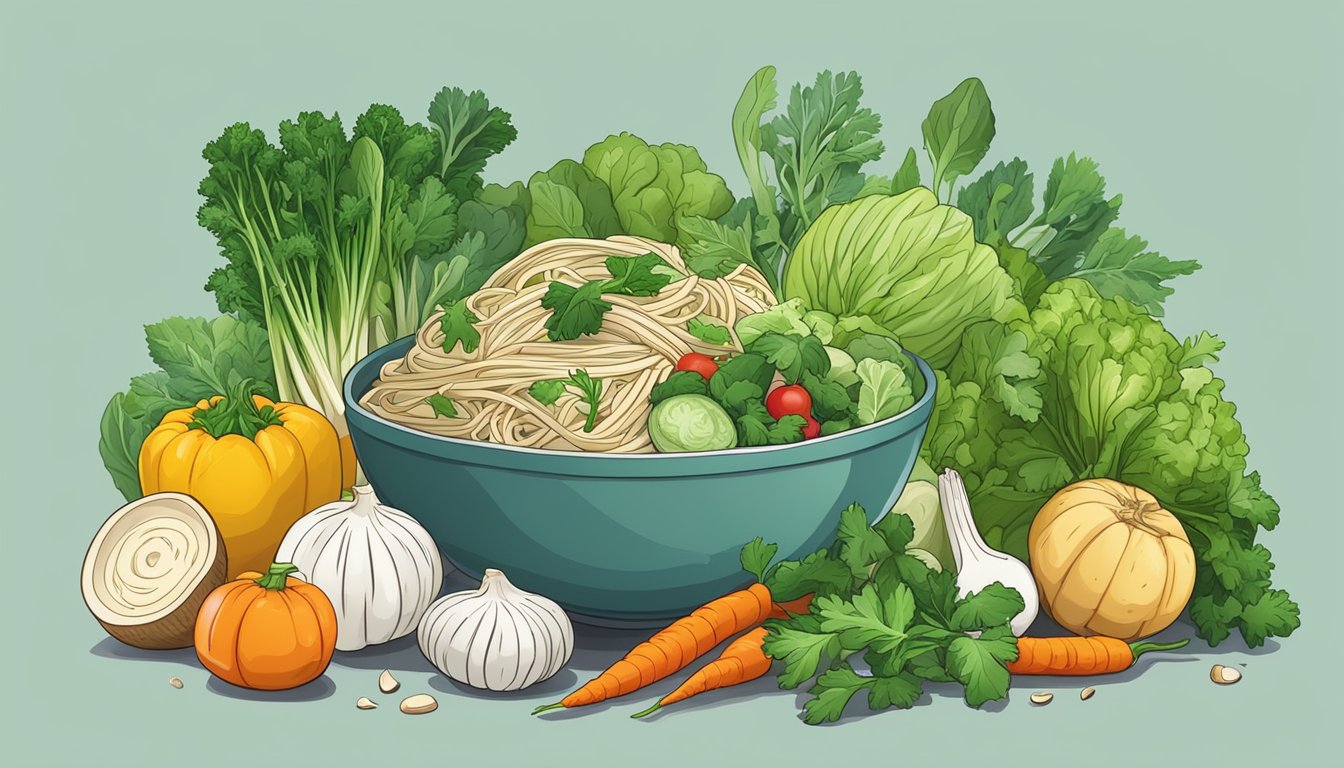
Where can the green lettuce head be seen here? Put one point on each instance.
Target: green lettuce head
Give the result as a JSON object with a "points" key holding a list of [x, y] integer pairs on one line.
{"points": [[652, 185], [908, 263]]}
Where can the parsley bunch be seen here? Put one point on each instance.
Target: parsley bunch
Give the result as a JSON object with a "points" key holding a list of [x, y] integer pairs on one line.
{"points": [[901, 618]]}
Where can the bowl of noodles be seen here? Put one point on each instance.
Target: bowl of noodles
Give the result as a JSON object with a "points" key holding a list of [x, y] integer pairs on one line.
{"points": [[597, 520]]}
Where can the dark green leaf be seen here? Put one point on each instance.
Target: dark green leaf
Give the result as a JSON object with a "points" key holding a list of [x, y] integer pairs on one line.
{"points": [[791, 354], [990, 607], [458, 326], [679, 383], [980, 664], [958, 131], [907, 177], [802, 652], [575, 311], [830, 401], [636, 275]]}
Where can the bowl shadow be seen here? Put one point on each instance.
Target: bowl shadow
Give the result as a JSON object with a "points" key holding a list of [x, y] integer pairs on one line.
{"points": [[319, 689]]}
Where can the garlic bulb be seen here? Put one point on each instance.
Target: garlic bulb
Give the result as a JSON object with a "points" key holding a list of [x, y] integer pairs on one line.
{"points": [[978, 566], [379, 566], [497, 637]]}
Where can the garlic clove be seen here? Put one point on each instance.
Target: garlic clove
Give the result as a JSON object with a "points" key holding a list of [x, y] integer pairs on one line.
{"points": [[364, 702], [387, 683], [1041, 698], [175, 681], [419, 704], [1224, 675], [1087, 693]]}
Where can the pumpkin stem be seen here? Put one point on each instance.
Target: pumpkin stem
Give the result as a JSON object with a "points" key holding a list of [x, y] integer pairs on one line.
{"points": [[276, 574], [1132, 511], [236, 414]]}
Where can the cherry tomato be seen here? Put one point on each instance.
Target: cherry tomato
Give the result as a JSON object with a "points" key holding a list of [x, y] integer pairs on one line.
{"points": [[701, 364], [811, 429], [789, 400]]}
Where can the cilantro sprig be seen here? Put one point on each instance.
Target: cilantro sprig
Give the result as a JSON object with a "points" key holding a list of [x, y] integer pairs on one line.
{"points": [[548, 391], [904, 619], [578, 311]]}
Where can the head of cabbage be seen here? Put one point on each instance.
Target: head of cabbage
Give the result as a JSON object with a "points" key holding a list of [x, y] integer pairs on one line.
{"points": [[906, 262]]}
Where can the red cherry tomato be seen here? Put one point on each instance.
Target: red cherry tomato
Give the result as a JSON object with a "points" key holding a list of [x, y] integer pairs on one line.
{"points": [[811, 429], [789, 400], [701, 364]]}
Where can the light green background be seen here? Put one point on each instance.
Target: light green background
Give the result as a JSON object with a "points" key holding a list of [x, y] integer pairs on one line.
{"points": [[1220, 127]]}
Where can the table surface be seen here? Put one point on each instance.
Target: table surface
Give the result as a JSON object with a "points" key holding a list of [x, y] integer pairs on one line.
{"points": [[1220, 129]]}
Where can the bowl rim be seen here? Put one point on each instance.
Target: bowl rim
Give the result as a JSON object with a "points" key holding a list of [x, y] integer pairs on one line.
{"points": [[400, 346]]}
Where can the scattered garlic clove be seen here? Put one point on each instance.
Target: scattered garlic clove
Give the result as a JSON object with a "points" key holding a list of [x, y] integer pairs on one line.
{"points": [[1042, 698], [419, 704], [1224, 675], [387, 683], [1086, 693], [364, 702], [175, 681]]}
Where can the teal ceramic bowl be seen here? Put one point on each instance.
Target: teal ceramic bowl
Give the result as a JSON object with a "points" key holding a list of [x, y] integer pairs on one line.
{"points": [[622, 539]]}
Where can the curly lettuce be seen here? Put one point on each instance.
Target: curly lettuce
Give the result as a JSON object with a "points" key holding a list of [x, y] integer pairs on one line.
{"points": [[1093, 387]]}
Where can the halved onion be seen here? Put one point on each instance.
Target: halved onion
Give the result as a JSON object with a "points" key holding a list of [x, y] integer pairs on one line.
{"points": [[149, 569]]}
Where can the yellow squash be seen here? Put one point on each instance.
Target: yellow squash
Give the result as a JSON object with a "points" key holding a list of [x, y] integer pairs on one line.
{"points": [[256, 466], [1109, 560]]}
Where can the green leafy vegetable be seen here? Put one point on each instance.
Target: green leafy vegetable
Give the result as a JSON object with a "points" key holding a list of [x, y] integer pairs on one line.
{"points": [[442, 405], [1119, 265], [468, 131], [884, 392], [710, 333], [1094, 387], [199, 358], [690, 423], [908, 264], [905, 619], [679, 383], [792, 355], [958, 131], [745, 367], [652, 186], [578, 311], [785, 317]]}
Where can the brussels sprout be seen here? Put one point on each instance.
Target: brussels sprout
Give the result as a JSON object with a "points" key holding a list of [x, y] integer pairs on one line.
{"points": [[691, 423]]}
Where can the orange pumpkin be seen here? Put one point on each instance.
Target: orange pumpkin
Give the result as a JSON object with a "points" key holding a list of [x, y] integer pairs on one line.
{"points": [[269, 632]]}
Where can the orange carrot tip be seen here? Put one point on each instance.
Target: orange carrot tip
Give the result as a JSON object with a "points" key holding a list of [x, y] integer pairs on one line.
{"points": [[547, 708]]}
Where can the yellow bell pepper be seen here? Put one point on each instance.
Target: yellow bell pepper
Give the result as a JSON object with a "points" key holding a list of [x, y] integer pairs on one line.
{"points": [[256, 466]]}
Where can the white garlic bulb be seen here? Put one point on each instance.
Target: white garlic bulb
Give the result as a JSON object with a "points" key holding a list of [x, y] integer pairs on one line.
{"points": [[497, 637], [379, 567]]}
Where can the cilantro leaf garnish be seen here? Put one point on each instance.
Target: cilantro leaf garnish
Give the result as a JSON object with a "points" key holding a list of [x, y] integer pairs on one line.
{"points": [[457, 325], [442, 405]]}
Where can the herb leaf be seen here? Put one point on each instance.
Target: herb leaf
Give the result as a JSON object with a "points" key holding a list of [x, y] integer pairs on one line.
{"points": [[547, 391], [792, 355], [679, 383], [442, 405], [990, 607], [957, 132], [978, 664], [457, 325], [636, 275], [575, 311], [590, 390], [710, 333], [756, 556]]}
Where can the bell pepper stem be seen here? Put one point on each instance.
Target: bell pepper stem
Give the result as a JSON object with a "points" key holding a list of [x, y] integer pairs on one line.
{"points": [[275, 575]]}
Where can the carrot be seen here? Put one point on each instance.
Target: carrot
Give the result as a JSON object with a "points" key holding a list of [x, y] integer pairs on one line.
{"points": [[741, 661], [1093, 655], [672, 649]]}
